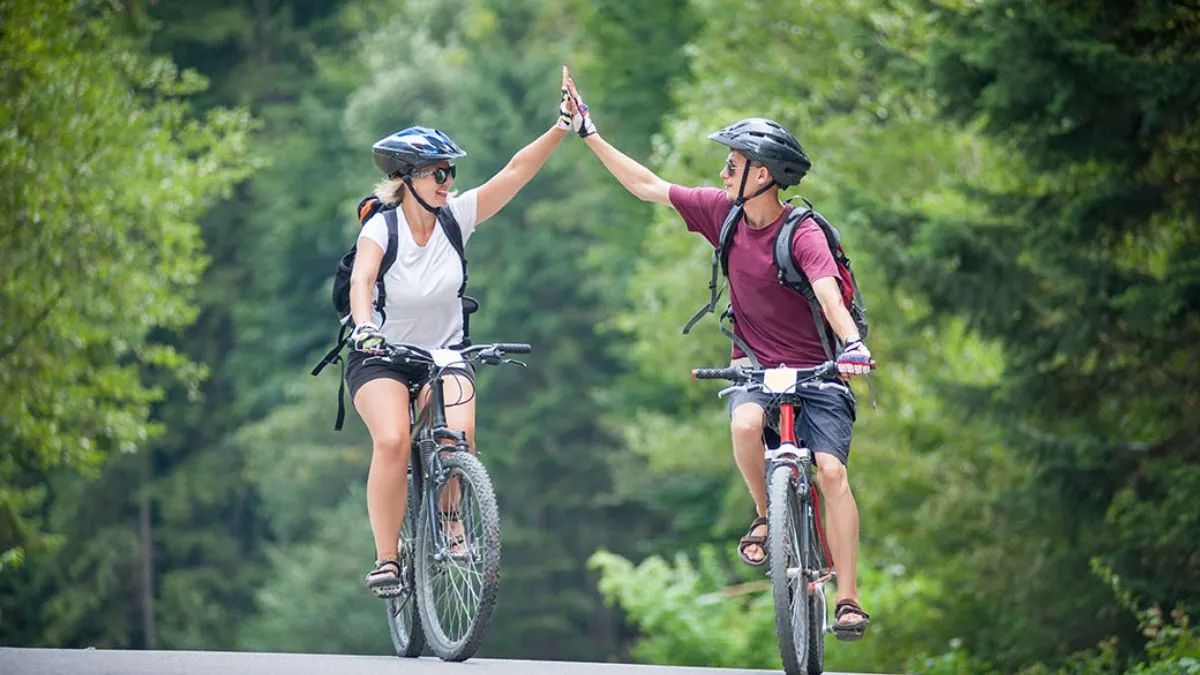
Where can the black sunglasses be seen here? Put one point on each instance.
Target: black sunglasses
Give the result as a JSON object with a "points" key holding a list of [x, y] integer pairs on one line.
{"points": [[440, 174], [731, 167]]}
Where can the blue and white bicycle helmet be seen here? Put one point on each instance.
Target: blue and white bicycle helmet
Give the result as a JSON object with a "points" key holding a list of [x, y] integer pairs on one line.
{"points": [[412, 148]]}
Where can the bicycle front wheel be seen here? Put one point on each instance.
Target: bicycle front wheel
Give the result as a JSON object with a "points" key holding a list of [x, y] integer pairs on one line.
{"points": [[458, 552], [785, 532], [404, 623]]}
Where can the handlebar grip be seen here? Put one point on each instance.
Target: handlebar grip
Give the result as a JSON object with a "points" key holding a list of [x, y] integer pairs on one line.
{"points": [[714, 373], [514, 347]]}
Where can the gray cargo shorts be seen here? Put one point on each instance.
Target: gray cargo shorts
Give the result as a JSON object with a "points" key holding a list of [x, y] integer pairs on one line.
{"points": [[824, 420]]}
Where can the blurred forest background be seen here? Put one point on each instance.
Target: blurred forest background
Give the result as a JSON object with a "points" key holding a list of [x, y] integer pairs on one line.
{"points": [[1018, 183]]}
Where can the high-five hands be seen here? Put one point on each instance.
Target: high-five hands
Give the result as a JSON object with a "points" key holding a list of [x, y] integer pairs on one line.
{"points": [[566, 107], [581, 119]]}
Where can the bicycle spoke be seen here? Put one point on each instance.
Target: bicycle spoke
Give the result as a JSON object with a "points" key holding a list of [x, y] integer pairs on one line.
{"points": [[461, 581]]}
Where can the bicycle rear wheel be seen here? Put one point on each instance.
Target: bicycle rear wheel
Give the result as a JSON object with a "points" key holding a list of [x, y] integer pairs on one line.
{"points": [[404, 623], [785, 531], [458, 577]]}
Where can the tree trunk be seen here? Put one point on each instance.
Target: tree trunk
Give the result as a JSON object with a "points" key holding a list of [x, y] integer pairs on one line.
{"points": [[149, 636]]}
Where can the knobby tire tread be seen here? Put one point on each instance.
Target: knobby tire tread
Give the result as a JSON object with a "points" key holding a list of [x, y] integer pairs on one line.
{"points": [[782, 531], [408, 638], [469, 468]]}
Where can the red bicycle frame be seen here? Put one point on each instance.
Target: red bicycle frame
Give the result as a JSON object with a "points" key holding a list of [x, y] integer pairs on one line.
{"points": [[787, 434]]}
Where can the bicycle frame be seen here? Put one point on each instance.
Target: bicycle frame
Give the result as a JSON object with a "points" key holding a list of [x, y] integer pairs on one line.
{"points": [[431, 438], [799, 458]]}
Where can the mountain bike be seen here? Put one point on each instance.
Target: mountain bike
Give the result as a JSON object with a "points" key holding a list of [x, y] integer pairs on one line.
{"points": [[798, 559], [449, 548]]}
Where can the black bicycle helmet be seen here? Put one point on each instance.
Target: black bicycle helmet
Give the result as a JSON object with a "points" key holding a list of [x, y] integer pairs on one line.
{"points": [[764, 141], [413, 148]]}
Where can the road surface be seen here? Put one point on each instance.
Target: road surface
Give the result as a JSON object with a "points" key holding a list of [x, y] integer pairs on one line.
{"points": [[14, 661]]}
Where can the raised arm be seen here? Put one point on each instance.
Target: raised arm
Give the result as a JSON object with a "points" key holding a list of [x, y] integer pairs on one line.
{"points": [[640, 181], [501, 188]]}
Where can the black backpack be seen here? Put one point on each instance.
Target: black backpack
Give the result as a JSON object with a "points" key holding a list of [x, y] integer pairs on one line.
{"points": [[790, 275], [367, 208]]}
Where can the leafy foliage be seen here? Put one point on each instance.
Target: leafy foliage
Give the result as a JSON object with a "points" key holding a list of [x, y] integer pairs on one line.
{"points": [[104, 174]]}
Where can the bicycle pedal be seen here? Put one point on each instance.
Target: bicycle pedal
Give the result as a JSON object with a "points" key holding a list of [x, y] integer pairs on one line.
{"points": [[389, 591]]}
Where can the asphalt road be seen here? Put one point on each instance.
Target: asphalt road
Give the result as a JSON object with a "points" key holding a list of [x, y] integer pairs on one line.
{"points": [[15, 661]]}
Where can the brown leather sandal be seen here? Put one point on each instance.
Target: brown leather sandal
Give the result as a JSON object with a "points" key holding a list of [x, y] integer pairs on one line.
{"points": [[384, 581], [751, 539], [848, 631]]}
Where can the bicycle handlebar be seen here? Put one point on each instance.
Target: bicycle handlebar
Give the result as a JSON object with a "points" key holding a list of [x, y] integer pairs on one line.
{"points": [[485, 353], [513, 347], [743, 374], [730, 373]]}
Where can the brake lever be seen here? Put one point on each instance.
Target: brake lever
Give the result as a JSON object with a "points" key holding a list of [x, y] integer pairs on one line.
{"points": [[516, 362], [738, 387]]}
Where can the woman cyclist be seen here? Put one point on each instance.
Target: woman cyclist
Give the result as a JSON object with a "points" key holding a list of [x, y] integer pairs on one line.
{"points": [[422, 307]]}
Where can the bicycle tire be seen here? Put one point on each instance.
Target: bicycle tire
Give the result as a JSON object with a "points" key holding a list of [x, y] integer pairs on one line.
{"points": [[455, 633], [404, 621], [817, 601], [785, 531]]}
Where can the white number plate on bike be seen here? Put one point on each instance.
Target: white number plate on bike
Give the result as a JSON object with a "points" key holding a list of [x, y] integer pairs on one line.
{"points": [[779, 380], [446, 357]]}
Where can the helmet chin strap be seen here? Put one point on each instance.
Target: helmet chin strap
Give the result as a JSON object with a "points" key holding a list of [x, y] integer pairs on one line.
{"points": [[741, 198], [408, 181]]}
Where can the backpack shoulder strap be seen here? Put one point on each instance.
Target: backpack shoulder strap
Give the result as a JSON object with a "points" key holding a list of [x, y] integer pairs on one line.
{"points": [[393, 245], [389, 258], [725, 238], [453, 230], [793, 277], [834, 238], [789, 273], [720, 265]]}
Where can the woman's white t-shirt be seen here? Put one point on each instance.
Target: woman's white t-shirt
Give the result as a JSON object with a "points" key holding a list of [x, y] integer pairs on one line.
{"points": [[422, 285]]}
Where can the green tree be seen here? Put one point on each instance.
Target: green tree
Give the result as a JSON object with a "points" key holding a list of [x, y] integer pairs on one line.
{"points": [[1081, 263], [105, 173]]}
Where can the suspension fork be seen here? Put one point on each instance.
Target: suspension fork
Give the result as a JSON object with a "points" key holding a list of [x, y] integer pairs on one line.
{"points": [[435, 434]]}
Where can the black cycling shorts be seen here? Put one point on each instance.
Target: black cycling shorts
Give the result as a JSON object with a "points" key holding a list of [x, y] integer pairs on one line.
{"points": [[825, 421], [362, 368]]}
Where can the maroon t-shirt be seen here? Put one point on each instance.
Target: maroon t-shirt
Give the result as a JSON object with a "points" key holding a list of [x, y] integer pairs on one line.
{"points": [[774, 321]]}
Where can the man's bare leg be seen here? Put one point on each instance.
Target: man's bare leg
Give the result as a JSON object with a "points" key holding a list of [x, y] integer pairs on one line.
{"points": [[841, 527], [746, 428]]}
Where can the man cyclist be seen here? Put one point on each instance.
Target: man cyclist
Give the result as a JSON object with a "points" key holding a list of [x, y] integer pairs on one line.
{"points": [[773, 321]]}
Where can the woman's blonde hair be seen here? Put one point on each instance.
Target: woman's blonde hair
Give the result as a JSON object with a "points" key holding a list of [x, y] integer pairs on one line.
{"points": [[390, 191]]}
